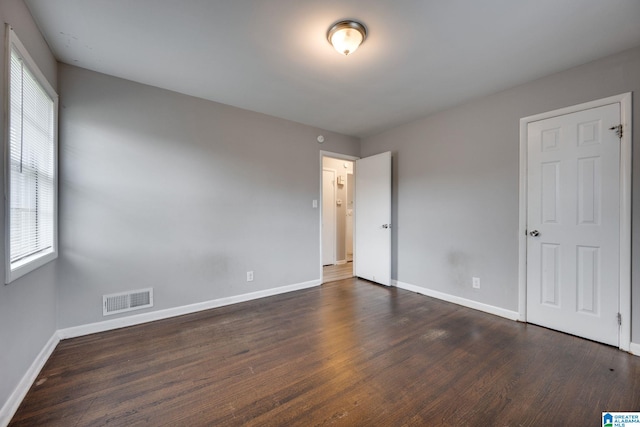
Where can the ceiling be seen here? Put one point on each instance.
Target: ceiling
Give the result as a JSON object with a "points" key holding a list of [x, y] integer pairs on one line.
{"points": [[272, 56]]}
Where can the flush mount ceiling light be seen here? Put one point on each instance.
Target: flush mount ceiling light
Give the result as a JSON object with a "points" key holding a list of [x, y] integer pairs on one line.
{"points": [[346, 36]]}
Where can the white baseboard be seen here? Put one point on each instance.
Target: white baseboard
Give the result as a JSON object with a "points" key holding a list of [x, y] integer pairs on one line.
{"points": [[10, 407], [123, 322], [512, 315], [634, 348]]}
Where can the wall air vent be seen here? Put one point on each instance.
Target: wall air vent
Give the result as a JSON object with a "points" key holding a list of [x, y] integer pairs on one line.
{"points": [[127, 301]]}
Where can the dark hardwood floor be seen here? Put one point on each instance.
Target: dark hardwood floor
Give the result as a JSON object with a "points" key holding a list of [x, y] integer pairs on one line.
{"points": [[348, 353]]}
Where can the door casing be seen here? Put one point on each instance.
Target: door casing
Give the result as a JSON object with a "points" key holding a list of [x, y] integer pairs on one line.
{"points": [[625, 208]]}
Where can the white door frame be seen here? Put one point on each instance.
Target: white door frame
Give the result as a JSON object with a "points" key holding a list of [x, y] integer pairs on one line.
{"points": [[625, 208], [341, 157]]}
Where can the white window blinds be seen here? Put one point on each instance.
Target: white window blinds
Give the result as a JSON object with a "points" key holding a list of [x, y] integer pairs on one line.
{"points": [[32, 168]]}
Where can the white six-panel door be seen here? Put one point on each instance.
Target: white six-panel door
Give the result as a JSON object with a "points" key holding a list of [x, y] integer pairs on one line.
{"points": [[373, 219], [573, 223]]}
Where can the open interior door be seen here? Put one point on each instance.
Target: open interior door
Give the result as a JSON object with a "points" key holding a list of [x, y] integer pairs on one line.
{"points": [[373, 219]]}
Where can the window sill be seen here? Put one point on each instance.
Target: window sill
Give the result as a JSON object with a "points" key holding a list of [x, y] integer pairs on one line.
{"points": [[27, 265]]}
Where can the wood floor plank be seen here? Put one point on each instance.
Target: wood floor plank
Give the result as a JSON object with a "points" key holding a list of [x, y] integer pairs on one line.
{"points": [[346, 353], [331, 273]]}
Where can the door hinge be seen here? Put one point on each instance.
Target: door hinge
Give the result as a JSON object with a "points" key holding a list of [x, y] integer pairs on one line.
{"points": [[619, 319], [618, 130]]}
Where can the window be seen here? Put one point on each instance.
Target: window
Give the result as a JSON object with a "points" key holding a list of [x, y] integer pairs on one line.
{"points": [[31, 156]]}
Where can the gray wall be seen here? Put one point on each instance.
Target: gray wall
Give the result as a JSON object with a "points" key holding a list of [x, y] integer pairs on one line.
{"points": [[27, 305], [184, 195], [456, 177]]}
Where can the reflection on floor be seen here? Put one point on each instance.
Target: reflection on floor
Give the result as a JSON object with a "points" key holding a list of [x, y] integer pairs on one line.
{"points": [[332, 273]]}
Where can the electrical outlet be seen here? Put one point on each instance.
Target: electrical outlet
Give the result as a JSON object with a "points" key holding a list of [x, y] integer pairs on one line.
{"points": [[249, 276], [476, 282]]}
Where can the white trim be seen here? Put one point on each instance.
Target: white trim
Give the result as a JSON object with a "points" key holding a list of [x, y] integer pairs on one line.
{"points": [[123, 322], [10, 407], [522, 226], [626, 167], [33, 66], [12, 404], [36, 261], [624, 305], [332, 155], [491, 309]]}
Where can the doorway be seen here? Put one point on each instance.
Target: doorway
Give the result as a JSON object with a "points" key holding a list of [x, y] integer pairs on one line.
{"points": [[575, 220], [329, 216], [338, 204]]}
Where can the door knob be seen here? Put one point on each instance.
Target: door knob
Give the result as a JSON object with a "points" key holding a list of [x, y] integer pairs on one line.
{"points": [[534, 233]]}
